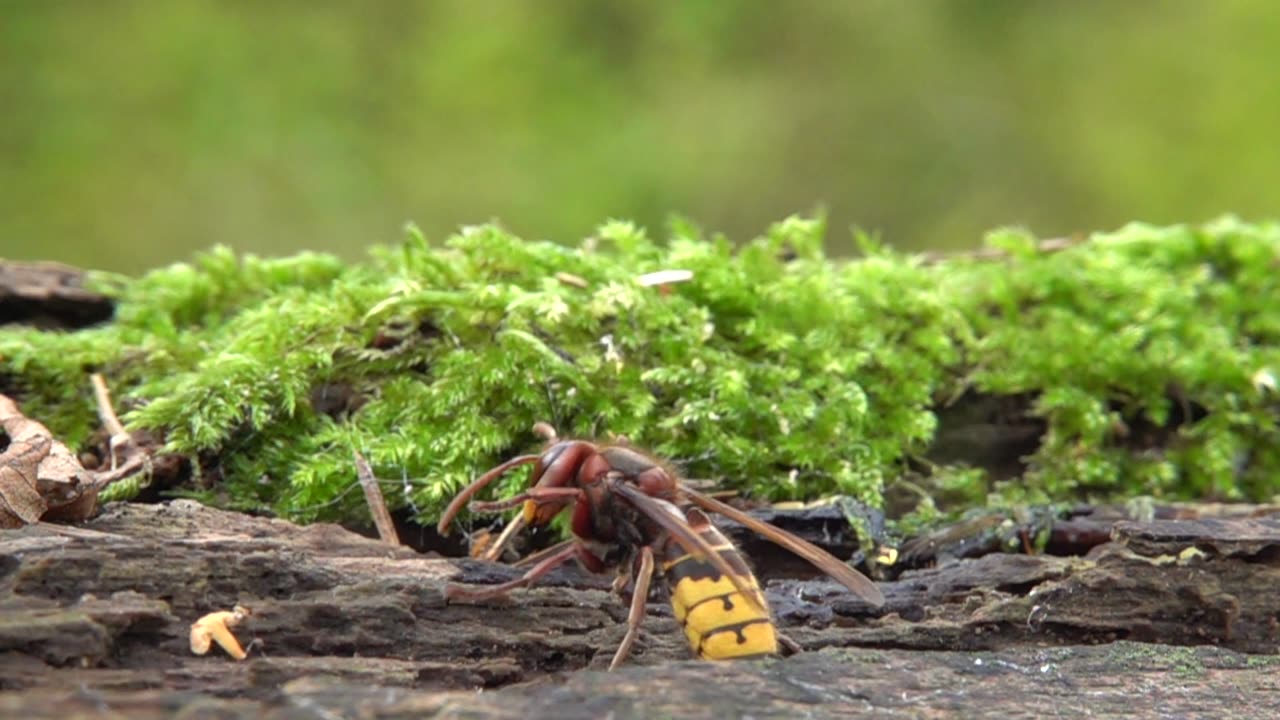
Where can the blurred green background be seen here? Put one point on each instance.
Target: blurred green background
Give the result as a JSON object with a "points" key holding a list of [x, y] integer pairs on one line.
{"points": [[133, 133]]}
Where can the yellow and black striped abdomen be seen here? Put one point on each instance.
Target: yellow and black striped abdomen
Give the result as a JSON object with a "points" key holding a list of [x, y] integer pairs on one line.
{"points": [[719, 622]]}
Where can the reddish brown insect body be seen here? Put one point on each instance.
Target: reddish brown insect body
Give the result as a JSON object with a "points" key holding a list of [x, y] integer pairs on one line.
{"points": [[628, 509]]}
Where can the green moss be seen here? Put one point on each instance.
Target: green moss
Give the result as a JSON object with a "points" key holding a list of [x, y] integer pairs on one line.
{"points": [[1128, 331], [776, 370], [1183, 661], [1262, 661]]}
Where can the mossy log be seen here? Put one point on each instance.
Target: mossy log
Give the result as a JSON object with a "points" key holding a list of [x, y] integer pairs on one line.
{"points": [[1137, 362], [96, 618]]}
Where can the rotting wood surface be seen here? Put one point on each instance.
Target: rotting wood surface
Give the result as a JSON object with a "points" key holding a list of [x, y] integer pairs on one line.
{"points": [[94, 622], [50, 295]]}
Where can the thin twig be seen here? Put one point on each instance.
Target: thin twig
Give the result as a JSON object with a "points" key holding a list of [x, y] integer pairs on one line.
{"points": [[136, 462], [131, 458], [494, 551], [105, 412], [120, 438], [373, 496]]}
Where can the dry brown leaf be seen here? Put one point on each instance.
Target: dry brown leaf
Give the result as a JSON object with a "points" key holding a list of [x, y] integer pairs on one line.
{"points": [[37, 473]]}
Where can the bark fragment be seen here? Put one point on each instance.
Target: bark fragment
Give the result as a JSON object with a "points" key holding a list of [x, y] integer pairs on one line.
{"points": [[49, 295]]}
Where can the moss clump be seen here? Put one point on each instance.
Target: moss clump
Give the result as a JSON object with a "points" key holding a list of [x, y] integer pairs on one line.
{"points": [[1149, 352], [1183, 662], [775, 369]]}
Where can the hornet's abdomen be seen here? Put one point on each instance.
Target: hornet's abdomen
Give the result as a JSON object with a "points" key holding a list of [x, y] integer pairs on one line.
{"points": [[719, 622]]}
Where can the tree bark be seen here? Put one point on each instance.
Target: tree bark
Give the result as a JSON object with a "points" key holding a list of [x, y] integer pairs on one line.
{"points": [[94, 620]]}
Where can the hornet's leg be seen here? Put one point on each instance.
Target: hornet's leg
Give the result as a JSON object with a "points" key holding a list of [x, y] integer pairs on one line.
{"points": [[550, 563], [535, 558], [536, 494], [643, 575]]}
